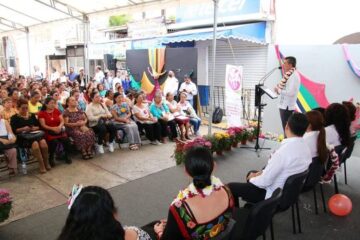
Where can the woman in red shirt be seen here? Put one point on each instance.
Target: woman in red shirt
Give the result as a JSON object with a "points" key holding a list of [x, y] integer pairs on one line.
{"points": [[52, 123]]}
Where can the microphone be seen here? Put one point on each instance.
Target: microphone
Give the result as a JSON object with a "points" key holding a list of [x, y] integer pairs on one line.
{"points": [[263, 79]]}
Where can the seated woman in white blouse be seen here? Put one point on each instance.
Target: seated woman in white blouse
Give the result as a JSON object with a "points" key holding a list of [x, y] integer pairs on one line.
{"points": [[188, 111], [315, 136], [337, 125]]}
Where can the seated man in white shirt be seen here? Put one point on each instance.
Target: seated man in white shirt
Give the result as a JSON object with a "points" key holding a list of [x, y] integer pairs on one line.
{"points": [[291, 158]]}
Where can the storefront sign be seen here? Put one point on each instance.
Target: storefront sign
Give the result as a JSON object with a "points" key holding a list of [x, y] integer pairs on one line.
{"points": [[147, 28], [227, 8], [233, 103], [118, 49]]}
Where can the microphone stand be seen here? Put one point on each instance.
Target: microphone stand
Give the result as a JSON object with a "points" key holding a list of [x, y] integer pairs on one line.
{"points": [[258, 93]]}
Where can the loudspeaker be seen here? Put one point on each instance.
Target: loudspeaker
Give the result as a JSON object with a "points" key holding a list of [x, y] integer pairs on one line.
{"points": [[109, 62], [12, 62]]}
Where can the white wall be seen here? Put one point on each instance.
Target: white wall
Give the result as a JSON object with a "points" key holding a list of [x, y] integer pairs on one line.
{"points": [[315, 21], [320, 63], [203, 62]]}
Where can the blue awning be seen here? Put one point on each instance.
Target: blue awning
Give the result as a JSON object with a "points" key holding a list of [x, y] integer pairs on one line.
{"points": [[253, 32]]}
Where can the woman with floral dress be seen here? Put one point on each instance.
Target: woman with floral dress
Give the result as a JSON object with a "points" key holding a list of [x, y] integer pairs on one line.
{"points": [[75, 123], [122, 120]]}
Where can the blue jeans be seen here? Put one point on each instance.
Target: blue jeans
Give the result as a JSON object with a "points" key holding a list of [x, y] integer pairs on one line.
{"points": [[196, 123], [191, 101]]}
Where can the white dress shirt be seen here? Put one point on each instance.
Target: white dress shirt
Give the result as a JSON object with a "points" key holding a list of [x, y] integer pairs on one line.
{"points": [[99, 76], [291, 158], [171, 85], [289, 94], [54, 76], [311, 141], [332, 136], [115, 81], [190, 88]]}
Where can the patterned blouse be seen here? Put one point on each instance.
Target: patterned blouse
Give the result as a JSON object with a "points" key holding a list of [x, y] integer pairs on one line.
{"points": [[189, 228], [122, 110], [142, 235]]}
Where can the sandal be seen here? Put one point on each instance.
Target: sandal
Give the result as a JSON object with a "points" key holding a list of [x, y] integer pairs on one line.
{"points": [[12, 172], [133, 147]]}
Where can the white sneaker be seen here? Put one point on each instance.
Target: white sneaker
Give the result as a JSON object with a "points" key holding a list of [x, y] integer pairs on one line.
{"points": [[153, 142], [100, 149], [111, 147], [157, 142]]}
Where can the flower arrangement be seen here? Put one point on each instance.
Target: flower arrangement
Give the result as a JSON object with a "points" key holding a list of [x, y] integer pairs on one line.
{"points": [[5, 204], [236, 132], [183, 147], [224, 141]]}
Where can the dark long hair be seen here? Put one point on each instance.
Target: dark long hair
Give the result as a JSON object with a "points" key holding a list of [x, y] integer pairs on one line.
{"points": [[351, 109], [317, 123], [46, 102], [338, 115], [199, 164], [91, 217]]}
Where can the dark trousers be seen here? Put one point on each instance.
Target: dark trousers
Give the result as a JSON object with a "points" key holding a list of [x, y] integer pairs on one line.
{"points": [[247, 191], [152, 131], [54, 143], [164, 128], [284, 115], [101, 130]]}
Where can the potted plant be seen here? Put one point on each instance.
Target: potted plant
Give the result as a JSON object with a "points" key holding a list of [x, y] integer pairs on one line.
{"points": [[244, 137], [236, 135], [5, 204], [182, 147]]}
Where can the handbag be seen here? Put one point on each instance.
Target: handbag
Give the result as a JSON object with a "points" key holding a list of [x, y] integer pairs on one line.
{"points": [[52, 133], [32, 136], [103, 121], [6, 146]]}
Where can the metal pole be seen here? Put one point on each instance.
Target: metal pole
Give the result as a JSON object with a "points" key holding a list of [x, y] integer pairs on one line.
{"points": [[28, 49], [86, 37], [211, 85]]}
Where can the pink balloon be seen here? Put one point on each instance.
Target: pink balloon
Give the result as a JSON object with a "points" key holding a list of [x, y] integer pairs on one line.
{"points": [[340, 205]]}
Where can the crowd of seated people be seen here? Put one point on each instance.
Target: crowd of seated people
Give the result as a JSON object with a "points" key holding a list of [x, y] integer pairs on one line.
{"points": [[47, 116], [204, 209]]}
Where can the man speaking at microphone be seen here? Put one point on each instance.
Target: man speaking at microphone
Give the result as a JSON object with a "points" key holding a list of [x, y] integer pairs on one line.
{"points": [[288, 89]]}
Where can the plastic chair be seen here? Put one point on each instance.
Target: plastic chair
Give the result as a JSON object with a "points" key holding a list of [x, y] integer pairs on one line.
{"points": [[290, 195], [253, 222], [344, 154], [340, 150], [226, 234], [316, 170]]}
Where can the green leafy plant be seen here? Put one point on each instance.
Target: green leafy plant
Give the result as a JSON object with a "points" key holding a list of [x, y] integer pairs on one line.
{"points": [[119, 20]]}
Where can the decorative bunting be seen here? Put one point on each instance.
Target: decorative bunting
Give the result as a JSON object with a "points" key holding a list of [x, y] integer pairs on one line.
{"points": [[354, 68]]}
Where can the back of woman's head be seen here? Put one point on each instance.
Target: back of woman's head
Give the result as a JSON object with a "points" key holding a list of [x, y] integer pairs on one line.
{"points": [[91, 217], [338, 115], [199, 164], [351, 109], [316, 122]]}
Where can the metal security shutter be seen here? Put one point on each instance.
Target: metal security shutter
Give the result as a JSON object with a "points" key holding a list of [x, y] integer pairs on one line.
{"points": [[253, 58]]}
